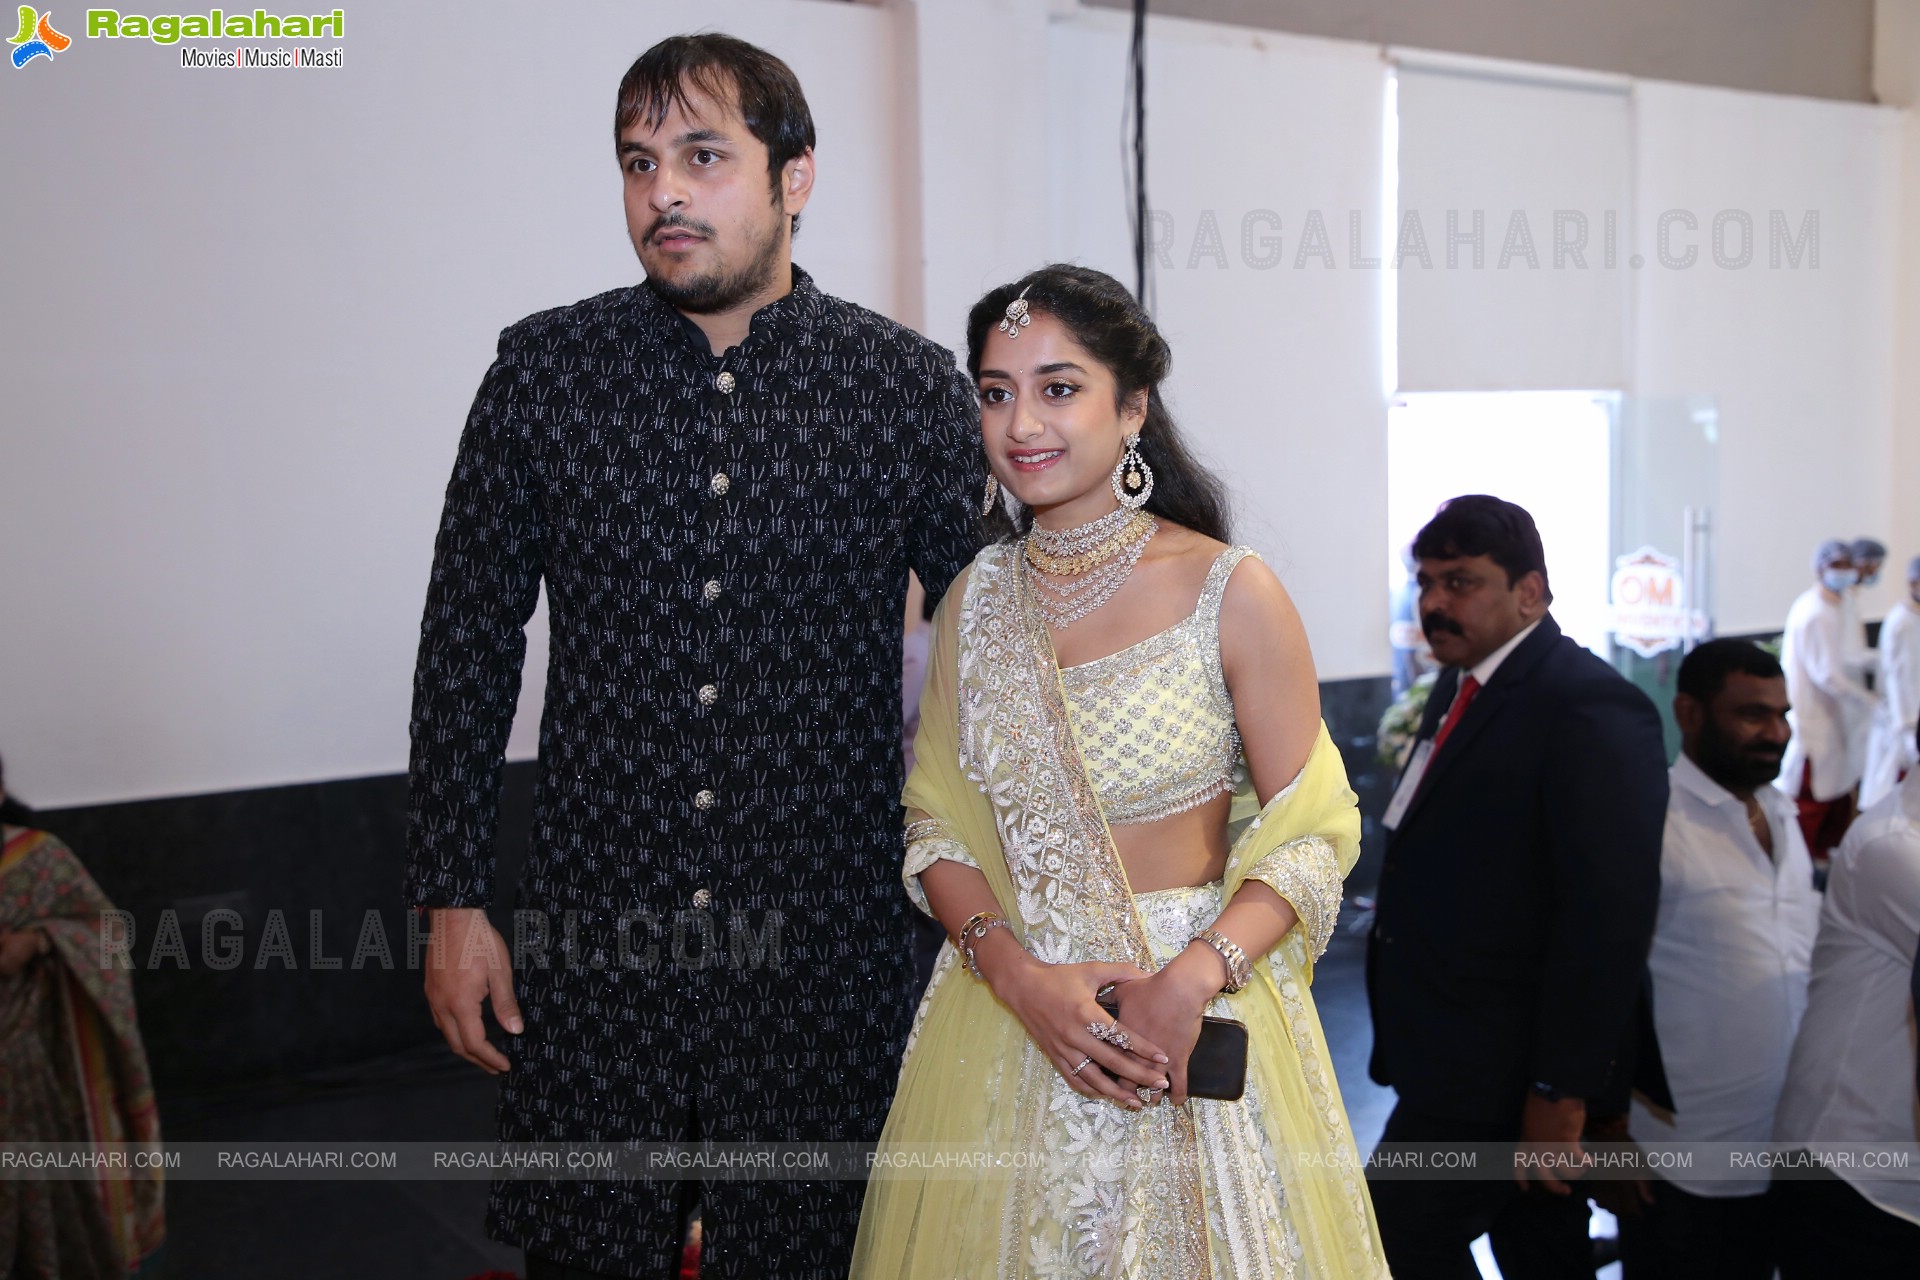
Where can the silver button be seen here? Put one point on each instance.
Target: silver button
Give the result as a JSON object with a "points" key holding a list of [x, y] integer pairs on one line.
{"points": [[703, 800], [702, 899], [712, 590], [724, 382], [709, 694], [720, 484]]}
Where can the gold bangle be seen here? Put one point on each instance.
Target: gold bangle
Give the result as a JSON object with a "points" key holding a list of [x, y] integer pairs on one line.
{"points": [[978, 925]]}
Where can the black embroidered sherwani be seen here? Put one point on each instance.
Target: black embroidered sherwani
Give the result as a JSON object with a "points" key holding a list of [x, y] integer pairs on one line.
{"points": [[724, 542]]}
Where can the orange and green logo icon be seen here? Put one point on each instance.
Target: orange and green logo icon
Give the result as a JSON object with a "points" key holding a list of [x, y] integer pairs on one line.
{"points": [[37, 38]]}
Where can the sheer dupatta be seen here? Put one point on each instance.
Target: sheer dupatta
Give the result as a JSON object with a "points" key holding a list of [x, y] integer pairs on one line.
{"points": [[989, 1164]]}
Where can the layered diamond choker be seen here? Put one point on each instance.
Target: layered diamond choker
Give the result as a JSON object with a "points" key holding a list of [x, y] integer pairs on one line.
{"points": [[1094, 559]]}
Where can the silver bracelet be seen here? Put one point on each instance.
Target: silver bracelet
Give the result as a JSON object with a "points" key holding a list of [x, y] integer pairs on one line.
{"points": [[1239, 968]]}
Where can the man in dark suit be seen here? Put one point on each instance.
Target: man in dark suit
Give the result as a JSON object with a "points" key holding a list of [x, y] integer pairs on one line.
{"points": [[1516, 905]]}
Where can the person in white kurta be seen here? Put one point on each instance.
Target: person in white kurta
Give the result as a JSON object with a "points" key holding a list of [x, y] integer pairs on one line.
{"points": [[1851, 1079], [1832, 707], [1891, 751], [1732, 946]]}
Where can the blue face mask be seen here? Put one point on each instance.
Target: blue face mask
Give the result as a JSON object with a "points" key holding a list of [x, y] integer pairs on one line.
{"points": [[1868, 579], [1838, 579]]}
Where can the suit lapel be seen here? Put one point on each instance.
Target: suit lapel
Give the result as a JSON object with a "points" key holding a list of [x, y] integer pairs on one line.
{"points": [[1481, 712]]}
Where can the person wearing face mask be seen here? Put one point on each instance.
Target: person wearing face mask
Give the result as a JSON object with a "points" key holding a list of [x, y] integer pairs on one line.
{"points": [[1832, 706], [1516, 903], [1731, 952], [1868, 555], [1891, 752]]}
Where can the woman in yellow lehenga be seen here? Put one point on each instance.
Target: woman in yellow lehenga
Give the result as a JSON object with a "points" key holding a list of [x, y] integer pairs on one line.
{"points": [[1121, 778]]}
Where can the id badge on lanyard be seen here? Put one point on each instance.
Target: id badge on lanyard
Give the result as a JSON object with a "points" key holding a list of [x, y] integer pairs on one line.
{"points": [[1409, 785]]}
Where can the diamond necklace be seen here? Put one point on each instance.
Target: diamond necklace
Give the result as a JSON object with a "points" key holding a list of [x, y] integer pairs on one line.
{"points": [[1094, 559]]}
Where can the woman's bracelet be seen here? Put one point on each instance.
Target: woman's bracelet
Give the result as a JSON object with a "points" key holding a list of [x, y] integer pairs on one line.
{"points": [[1239, 968], [978, 926]]}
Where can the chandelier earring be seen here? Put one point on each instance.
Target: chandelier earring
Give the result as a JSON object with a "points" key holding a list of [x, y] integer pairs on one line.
{"points": [[1132, 478], [992, 498]]}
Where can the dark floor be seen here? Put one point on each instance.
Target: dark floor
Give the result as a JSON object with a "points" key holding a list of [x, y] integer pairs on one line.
{"points": [[435, 1230]]}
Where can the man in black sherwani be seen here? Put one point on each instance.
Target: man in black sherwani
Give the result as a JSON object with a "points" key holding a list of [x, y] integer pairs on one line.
{"points": [[722, 475]]}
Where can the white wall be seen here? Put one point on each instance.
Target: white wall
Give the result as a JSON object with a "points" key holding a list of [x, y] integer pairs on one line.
{"points": [[1801, 359], [1277, 369], [246, 314]]}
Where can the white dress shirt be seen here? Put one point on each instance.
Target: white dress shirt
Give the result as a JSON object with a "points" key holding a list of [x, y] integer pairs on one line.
{"points": [[1890, 748], [1732, 945], [1832, 710], [1851, 1080]]}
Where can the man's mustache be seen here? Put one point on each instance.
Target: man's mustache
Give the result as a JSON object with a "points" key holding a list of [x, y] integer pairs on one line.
{"points": [[1439, 622], [679, 221]]}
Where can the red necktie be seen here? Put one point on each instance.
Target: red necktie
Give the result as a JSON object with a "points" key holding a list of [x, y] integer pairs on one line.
{"points": [[1468, 687]]}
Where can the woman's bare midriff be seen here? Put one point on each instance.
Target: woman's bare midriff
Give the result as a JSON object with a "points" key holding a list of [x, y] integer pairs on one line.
{"points": [[1176, 852]]}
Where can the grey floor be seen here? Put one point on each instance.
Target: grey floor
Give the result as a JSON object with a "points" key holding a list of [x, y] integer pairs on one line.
{"points": [[435, 1230]]}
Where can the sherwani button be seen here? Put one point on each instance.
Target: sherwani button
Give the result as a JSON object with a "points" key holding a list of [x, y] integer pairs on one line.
{"points": [[724, 382], [709, 694], [712, 590], [702, 899], [703, 800], [721, 484]]}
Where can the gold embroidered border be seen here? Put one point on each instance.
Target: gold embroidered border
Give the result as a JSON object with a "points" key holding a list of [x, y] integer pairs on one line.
{"points": [[1072, 897], [1306, 872]]}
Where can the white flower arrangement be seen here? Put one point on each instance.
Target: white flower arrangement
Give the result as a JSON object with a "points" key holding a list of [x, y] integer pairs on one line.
{"points": [[1401, 723]]}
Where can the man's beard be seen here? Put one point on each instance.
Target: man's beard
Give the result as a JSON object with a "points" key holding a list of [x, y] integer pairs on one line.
{"points": [[720, 290], [1735, 768]]}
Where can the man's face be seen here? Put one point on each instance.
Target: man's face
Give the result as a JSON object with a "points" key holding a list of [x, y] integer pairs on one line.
{"points": [[1740, 735], [710, 227], [1468, 609]]}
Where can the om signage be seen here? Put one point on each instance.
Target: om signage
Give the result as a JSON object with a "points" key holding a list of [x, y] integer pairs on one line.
{"points": [[1649, 613]]}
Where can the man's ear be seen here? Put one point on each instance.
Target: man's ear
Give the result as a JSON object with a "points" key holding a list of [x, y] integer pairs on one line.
{"points": [[796, 182], [1533, 590], [1688, 713]]}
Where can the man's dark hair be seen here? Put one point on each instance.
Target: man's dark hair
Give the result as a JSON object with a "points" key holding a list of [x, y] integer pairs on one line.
{"points": [[1704, 672], [761, 87], [1479, 524]]}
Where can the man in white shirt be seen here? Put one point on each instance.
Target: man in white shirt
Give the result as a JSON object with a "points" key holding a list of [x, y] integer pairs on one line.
{"points": [[1891, 753], [1832, 707], [1731, 949], [1852, 1077]]}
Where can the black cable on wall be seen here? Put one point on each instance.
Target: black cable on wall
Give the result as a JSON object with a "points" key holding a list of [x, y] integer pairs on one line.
{"points": [[1137, 68]]}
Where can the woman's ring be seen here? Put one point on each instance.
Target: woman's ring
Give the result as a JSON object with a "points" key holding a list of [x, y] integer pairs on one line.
{"points": [[1083, 1062], [1146, 1094]]}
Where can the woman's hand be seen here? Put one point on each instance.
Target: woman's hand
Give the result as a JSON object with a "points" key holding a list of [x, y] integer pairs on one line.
{"points": [[20, 948], [1055, 1003], [1167, 1008]]}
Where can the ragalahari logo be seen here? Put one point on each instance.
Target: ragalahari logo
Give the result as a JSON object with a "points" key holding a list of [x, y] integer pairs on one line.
{"points": [[37, 38]]}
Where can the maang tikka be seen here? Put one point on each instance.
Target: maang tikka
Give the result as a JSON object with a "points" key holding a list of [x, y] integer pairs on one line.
{"points": [[1132, 478], [1017, 317]]}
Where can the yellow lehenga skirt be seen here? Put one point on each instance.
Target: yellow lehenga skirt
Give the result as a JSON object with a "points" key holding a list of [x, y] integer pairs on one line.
{"points": [[989, 1165]]}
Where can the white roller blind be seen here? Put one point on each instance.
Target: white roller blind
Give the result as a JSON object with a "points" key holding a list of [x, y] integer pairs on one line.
{"points": [[1513, 239]]}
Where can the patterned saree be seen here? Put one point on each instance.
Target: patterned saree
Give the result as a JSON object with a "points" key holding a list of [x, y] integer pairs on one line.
{"points": [[990, 1166], [72, 1069]]}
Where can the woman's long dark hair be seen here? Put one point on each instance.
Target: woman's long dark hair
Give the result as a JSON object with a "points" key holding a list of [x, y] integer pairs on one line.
{"points": [[1103, 317], [12, 812]]}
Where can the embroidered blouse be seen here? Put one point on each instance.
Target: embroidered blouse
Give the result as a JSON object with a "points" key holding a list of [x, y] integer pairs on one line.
{"points": [[1155, 720]]}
